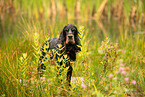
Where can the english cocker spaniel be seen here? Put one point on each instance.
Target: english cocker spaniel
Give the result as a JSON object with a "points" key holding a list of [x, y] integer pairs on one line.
{"points": [[68, 44]]}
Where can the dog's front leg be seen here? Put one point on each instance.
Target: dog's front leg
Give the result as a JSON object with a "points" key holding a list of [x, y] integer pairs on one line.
{"points": [[69, 74]]}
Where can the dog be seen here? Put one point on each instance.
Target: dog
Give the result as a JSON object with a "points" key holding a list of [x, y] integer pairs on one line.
{"points": [[68, 44]]}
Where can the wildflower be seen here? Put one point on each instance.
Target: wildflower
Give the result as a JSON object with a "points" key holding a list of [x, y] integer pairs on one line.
{"points": [[33, 68], [20, 80], [83, 86], [121, 69], [133, 82], [122, 51], [123, 72], [110, 75], [28, 81], [51, 55], [42, 78], [121, 64], [126, 79]]}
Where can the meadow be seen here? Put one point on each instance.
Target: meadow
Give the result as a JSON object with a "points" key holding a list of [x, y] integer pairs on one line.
{"points": [[112, 60]]}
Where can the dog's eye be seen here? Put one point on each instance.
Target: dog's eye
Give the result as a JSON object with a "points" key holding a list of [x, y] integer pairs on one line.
{"points": [[66, 30], [73, 29]]}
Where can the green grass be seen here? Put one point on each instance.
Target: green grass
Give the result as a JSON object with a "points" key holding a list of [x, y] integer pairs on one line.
{"points": [[23, 37], [19, 59]]}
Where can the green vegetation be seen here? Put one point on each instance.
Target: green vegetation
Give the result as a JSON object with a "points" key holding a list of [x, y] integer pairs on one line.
{"points": [[112, 36]]}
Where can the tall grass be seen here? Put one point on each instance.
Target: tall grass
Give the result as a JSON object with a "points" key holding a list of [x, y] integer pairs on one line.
{"points": [[19, 68], [29, 24], [47, 11]]}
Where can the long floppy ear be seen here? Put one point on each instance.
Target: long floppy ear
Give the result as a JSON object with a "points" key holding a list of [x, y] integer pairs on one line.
{"points": [[62, 37]]}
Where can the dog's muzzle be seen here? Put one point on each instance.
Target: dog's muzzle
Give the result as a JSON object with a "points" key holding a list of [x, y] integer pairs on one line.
{"points": [[70, 39]]}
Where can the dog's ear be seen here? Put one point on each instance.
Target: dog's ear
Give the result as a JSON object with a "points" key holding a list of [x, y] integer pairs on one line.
{"points": [[62, 36]]}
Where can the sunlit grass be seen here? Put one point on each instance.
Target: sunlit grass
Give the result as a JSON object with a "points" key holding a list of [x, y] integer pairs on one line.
{"points": [[24, 34], [19, 68]]}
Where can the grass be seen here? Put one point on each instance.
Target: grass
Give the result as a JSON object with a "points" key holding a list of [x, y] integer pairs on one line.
{"points": [[122, 52]]}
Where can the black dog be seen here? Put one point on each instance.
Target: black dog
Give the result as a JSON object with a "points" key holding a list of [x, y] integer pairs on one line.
{"points": [[70, 44]]}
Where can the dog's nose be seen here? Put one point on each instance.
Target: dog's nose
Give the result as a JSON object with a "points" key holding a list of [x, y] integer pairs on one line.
{"points": [[70, 36]]}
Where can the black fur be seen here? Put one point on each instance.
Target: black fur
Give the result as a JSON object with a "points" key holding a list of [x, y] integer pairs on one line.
{"points": [[70, 41]]}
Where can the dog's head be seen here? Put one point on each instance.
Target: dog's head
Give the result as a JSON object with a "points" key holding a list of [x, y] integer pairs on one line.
{"points": [[69, 35], [70, 32], [70, 39]]}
